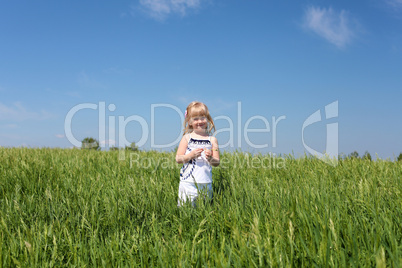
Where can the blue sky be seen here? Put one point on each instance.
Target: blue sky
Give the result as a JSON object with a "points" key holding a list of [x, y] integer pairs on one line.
{"points": [[269, 59]]}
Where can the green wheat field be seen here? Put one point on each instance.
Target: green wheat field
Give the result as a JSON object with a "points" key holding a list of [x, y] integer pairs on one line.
{"points": [[84, 208]]}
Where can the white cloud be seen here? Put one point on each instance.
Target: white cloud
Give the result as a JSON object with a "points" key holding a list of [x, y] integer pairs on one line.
{"points": [[10, 126], [88, 82], [118, 71], [74, 94], [335, 27], [17, 112], [396, 4], [108, 142], [160, 9], [60, 136]]}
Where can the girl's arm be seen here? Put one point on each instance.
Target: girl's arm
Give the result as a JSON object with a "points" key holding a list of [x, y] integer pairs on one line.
{"points": [[214, 157], [181, 157]]}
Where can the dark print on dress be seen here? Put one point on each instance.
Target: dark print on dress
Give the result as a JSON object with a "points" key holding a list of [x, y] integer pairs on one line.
{"points": [[199, 142], [187, 170]]}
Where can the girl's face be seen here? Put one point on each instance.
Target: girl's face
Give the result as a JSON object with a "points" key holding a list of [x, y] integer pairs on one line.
{"points": [[199, 122]]}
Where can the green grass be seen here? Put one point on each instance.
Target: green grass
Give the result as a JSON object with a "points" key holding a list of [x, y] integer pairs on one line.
{"points": [[62, 207]]}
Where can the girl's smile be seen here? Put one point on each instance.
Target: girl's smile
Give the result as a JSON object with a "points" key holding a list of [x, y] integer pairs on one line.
{"points": [[199, 123]]}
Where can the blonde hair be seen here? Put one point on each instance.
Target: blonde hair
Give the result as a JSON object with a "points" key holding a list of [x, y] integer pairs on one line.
{"points": [[194, 109]]}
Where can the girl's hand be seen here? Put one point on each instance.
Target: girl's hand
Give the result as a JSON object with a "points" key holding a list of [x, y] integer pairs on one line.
{"points": [[196, 153], [208, 154]]}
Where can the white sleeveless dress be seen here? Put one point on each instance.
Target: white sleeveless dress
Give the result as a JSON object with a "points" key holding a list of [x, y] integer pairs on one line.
{"points": [[197, 170], [196, 175]]}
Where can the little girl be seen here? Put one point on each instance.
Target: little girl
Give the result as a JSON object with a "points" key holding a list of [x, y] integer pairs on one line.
{"points": [[197, 151]]}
